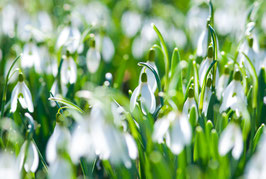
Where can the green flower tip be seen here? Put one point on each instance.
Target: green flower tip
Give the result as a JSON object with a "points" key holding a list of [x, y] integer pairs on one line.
{"points": [[250, 41], [67, 53], [144, 77], [237, 75], [92, 43], [209, 82], [210, 52], [226, 70], [151, 54], [20, 77], [190, 92]]}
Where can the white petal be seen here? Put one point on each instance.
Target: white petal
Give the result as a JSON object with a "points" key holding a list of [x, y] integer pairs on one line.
{"points": [[60, 169], [176, 138], [27, 96], [32, 159], [186, 129], [147, 98], [133, 99], [72, 71], [131, 146], [63, 37], [93, 60], [108, 49], [64, 72], [226, 141], [222, 83], [202, 44], [238, 145], [160, 128], [227, 96], [14, 98]]}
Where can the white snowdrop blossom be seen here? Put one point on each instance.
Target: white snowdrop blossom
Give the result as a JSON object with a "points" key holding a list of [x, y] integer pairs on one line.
{"points": [[205, 64], [256, 167], [60, 168], [202, 43], [95, 137], [22, 93], [31, 57], [234, 97], [190, 103], [68, 70], [31, 161], [222, 83], [58, 141], [231, 138], [8, 166], [93, 58], [175, 129], [70, 38], [151, 80], [106, 47], [147, 98]]}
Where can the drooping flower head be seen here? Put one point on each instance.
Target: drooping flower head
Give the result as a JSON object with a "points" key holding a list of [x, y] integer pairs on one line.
{"points": [[205, 64], [222, 82], [22, 93], [147, 98], [189, 103], [68, 70], [207, 96], [93, 57], [150, 76]]}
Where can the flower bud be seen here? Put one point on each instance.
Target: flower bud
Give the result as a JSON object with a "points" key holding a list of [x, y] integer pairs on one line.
{"points": [[144, 77]]}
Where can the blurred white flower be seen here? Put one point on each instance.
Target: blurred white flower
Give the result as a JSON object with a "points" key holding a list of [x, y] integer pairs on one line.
{"points": [[95, 137], [93, 58], [31, 161], [256, 167], [147, 98], [234, 97], [60, 169], [175, 129], [22, 93], [189, 103], [106, 47], [151, 80], [31, 57], [205, 64], [8, 166], [131, 22], [70, 38], [222, 83], [58, 141], [68, 70], [231, 138], [9, 19]]}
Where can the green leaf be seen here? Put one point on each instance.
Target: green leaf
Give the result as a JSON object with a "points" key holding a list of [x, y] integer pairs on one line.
{"points": [[255, 81], [67, 103], [257, 136], [196, 80], [165, 52], [193, 117]]}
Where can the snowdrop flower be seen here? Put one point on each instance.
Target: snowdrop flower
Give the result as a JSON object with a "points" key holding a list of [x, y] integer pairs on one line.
{"points": [[147, 98], [131, 22], [8, 167], [68, 70], [70, 38], [203, 41], [234, 97], [106, 47], [231, 138], [31, 57], [22, 93], [207, 96], [58, 140], [31, 161], [60, 168], [96, 137], [205, 64], [189, 103], [176, 129], [9, 19], [222, 82], [151, 80], [256, 167], [93, 58]]}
